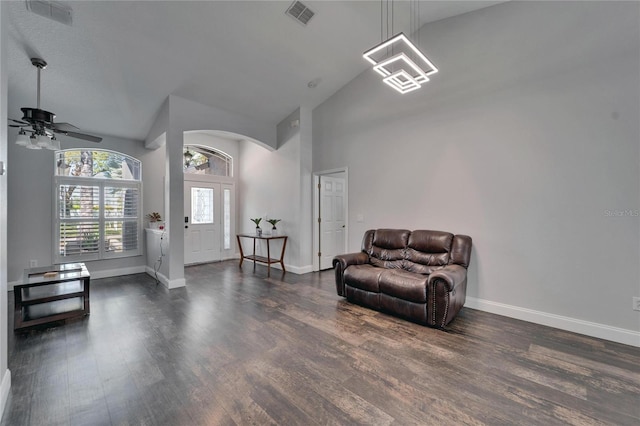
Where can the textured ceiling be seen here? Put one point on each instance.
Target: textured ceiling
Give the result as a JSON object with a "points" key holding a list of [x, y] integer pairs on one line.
{"points": [[110, 72]]}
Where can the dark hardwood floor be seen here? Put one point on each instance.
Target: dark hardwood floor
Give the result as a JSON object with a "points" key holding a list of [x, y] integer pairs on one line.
{"points": [[234, 347]]}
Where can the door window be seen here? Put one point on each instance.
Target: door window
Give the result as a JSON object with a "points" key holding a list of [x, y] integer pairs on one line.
{"points": [[201, 206], [227, 218]]}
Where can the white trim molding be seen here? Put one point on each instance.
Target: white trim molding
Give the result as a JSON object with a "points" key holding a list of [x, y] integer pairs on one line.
{"points": [[177, 283], [601, 331], [108, 273], [152, 273], [5, 387], [298, 270], [315, 207], [169, 284]]}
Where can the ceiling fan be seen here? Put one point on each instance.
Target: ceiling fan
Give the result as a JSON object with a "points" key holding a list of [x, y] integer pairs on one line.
{"points": [[41, 125]]}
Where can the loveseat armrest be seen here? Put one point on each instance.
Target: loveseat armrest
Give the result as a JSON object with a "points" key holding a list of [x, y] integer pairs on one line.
{"points": [[447, 291], [341, 262], [452, 275]]}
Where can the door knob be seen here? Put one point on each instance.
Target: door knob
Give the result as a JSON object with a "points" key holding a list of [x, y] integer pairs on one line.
{"points": [[186, 226]]}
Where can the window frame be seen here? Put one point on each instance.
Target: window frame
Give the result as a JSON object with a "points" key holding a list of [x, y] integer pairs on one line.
{"points": [[101, 183]]}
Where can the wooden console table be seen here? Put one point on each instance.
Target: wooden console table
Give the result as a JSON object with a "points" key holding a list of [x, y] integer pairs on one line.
{"points": [[268, 260], [62, 294]]}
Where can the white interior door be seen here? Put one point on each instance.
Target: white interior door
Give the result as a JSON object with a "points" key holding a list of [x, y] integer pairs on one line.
{"points": [[332, 219], [203, 218]]}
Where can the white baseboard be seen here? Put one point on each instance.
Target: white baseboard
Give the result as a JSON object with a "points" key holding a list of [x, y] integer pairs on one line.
{"points": [[5, 387], [164, 280], [298, 270], [601, 331], [180, 282], [105, 273]]}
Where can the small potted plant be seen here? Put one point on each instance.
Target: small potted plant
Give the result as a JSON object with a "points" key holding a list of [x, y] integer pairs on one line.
{"points": [[154, 219], [273, 223], [257, 222]]}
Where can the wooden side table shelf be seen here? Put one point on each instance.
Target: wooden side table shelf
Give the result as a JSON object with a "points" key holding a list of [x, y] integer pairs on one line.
{"points": [[268, 260], [51, 293]]}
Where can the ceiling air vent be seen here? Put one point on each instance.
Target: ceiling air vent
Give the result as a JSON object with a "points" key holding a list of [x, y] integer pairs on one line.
{"points": [[300, 12], [52, 10]]}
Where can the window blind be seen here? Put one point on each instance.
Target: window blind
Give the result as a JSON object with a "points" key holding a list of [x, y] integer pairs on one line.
{"points": [[97, 221]]}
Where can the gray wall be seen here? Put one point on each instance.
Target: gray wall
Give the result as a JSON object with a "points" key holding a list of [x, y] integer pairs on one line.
{"points": [[30, 203], [269, 185], [277, 184], [527, 140]]}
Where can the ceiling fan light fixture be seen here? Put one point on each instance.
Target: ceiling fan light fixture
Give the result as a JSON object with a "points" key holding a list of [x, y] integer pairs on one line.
{"points": [[41, 123], [54, 144], [33, 143], [22, 139], [42, 141]]}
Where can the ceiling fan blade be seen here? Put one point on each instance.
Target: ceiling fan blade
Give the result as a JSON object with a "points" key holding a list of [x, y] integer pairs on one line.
{"points": [[86, 137], [64, 127], [21, 123]]}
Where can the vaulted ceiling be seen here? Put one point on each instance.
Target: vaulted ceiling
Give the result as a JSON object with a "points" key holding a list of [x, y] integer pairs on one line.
{"points": [[111, 70]]}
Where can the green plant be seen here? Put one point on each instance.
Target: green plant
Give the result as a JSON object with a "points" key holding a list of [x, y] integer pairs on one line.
{"points": [[273, 222], [257, 221], [154, 217]]}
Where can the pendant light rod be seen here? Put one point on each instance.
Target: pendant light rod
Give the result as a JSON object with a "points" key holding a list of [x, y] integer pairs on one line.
{"points": [[40, 64], [38, 102]]}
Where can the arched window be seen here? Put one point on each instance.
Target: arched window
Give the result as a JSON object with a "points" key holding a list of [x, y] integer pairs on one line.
{"points": [[207, 161], [97, 203]]}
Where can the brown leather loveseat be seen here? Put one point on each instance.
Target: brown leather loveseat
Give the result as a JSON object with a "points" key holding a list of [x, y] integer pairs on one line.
{"points": [[417, 275]]}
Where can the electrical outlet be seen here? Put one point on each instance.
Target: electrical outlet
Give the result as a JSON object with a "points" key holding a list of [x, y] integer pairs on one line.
{"points": [[636, 303], [33, 263]]}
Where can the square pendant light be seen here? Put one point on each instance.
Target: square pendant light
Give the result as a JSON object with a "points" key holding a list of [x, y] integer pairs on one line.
{"points": [[401, 64], [402, 81]]}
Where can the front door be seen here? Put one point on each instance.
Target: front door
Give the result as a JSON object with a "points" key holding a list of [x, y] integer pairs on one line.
{"points": [[332, 219], [203, 218]]}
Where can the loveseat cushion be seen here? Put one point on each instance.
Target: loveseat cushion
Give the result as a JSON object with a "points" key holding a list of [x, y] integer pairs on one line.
{"points": [[427, 250], [404, 285], [364, 277], [388, 248]]}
